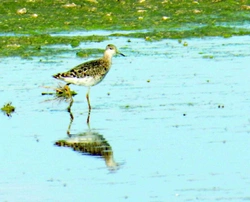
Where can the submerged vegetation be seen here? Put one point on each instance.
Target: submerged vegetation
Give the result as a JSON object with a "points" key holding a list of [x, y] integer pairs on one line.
{"points": [[26, 25]]}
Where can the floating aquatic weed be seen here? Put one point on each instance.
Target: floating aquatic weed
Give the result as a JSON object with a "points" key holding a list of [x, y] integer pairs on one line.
{"points": [[208, 56], [62, 93], [8, 109], [87, 52], [185, 44], [42, 44]]}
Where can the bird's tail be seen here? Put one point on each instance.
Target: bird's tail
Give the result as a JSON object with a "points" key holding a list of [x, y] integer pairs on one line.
{"points": [[57, 76]]}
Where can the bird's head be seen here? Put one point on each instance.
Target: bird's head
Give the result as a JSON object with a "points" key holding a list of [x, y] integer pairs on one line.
{"points": [[112, 50]]}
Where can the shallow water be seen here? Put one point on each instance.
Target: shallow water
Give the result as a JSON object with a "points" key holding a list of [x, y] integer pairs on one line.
{"points": [[176, 117]]}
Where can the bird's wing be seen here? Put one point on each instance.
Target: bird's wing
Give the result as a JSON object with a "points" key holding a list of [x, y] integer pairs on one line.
{"points": [[91, 68]]}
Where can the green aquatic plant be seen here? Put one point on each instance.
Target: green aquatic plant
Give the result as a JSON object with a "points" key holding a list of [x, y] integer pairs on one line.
{"points": [[42, 45], [27, 26], [205, 31], [8, 109], [52, 16], [87, 52], [62, 93], [208, 56]]}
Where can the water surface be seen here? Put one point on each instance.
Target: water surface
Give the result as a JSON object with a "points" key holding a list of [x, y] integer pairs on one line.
{"points": [[176, 117]]}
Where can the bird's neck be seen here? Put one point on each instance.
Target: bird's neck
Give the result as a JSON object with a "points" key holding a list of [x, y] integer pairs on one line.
{"points": [[107, 57]]}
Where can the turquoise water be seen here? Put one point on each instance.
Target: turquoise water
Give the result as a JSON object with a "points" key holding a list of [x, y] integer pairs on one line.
{"points": [[176, 117]]}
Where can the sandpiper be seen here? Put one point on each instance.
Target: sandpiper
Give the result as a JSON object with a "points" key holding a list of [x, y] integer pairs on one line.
{"points": [[90, 73]]}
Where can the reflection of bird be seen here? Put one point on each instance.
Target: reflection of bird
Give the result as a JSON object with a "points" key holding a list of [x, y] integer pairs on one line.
{"points": [[91, 143], [90, 73]]}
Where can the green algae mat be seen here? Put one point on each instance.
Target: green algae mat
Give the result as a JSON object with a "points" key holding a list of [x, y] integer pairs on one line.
{"points": [[27, 25]]}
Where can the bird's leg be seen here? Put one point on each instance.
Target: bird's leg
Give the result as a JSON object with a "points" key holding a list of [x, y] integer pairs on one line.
{"points": [[71, 116], [87, 96], [88, 117]]}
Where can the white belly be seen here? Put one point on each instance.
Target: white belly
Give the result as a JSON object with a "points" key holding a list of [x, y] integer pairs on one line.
{"points": [[86, 81]]}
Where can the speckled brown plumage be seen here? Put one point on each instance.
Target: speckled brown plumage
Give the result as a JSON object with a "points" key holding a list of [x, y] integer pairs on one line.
{"points": [[92, 72], [95, 68]]}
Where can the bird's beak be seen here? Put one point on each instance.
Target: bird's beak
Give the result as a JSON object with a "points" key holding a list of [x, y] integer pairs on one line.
{"points": [[121, 54]]}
